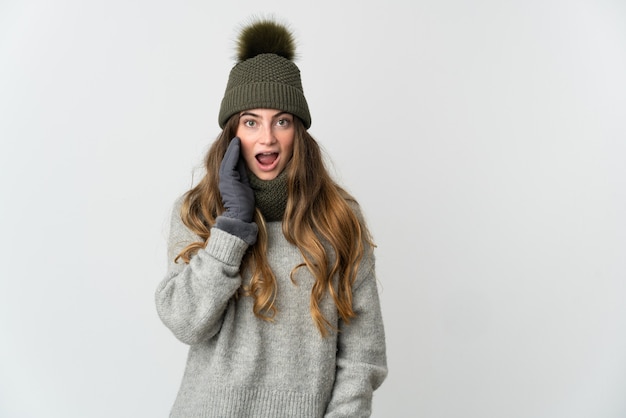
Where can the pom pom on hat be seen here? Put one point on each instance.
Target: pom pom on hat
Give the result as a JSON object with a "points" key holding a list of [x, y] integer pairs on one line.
{"points": [[265, 37], [265, 75]]}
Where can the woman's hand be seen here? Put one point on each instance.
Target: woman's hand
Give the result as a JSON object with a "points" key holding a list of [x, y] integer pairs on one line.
{"points": [[237, 195]]}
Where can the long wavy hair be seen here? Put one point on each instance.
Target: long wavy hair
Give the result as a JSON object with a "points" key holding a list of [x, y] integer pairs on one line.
{"points": [[319, 218]]}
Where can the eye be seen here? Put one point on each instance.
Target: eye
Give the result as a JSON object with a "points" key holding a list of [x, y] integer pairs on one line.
{"points": [[284, 122], [249, 123]]}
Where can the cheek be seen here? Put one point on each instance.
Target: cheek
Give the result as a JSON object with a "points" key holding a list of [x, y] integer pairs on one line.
{"points": [[246, 149], [289, 150], [287, 145]]}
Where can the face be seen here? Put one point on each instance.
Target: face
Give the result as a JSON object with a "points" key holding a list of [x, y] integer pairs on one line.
{"points": [[267, 137]]}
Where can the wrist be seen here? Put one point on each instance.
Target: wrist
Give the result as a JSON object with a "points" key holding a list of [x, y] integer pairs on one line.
{"points": [[247, 231]]}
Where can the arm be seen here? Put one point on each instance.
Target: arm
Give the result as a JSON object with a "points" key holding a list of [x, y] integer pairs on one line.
{"points": [[361, 352], [192, 298]]}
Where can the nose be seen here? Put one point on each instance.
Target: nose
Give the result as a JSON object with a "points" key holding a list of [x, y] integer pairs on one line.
{"points": [[267, 135]]}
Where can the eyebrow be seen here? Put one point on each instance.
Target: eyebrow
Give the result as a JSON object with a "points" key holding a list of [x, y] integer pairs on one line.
{"points": [[258, 116]]}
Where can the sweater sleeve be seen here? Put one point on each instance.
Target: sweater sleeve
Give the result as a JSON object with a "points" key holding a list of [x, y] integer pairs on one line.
{"points": [[361, 352], [192, 298]]}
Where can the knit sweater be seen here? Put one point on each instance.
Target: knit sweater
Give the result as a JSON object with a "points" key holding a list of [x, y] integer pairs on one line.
{"points": [[242, 366]]}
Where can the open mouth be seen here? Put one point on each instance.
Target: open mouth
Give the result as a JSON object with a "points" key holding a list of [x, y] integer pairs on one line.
{"points": [[267, 158]]}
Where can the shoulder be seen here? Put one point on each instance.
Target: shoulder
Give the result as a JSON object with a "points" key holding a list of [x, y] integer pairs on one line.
{"points": [[356, 208], [350, 201], [368, 261], [178, 203], [175, 213], [179, 234]]}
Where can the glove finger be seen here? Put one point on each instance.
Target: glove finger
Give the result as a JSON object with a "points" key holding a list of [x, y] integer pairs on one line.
{"points": [[231, 158]]}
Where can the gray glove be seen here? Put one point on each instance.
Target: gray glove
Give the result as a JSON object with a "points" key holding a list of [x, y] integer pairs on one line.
{"points": [[237, 195]]}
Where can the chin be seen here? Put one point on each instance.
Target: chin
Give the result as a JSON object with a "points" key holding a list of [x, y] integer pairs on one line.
{"points": [[267, 175]]}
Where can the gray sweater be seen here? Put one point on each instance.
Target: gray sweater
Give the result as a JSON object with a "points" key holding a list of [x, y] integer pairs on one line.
{"points": [[241, 366]]}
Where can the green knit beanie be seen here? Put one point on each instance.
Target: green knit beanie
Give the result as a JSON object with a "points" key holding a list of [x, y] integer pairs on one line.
{"points": [[265, 75]]}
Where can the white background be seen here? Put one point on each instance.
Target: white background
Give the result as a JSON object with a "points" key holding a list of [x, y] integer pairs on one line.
{"points": [[485, 140]]}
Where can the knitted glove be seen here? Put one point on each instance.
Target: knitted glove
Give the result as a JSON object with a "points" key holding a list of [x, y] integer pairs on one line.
{"points": [[237, 195]]}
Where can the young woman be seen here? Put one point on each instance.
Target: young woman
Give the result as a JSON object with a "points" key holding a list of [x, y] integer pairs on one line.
{"points": [[271, 278]]}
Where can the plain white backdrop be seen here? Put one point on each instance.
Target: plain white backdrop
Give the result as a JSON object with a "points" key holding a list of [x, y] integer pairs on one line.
{"points": [[486, 141]]}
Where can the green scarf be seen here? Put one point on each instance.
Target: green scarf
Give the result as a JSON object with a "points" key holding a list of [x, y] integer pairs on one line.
{"points": [[270, 195]]}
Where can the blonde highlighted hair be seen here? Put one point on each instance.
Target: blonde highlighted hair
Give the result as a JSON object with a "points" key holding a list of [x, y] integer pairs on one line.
{"points": [[319, 216]]}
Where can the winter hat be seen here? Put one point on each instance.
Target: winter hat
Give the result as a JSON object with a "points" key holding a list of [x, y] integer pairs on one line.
{"points": [[265, 75]]}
